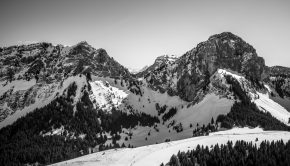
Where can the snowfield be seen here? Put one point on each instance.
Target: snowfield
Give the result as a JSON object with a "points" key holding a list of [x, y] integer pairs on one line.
{"points": [[158, 153]]}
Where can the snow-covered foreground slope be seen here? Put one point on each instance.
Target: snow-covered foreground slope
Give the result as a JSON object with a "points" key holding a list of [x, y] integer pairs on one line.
{"points": [[156, 154]]}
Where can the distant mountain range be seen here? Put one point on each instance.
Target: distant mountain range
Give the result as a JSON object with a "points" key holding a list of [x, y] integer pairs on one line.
{"points": [[58, 102]]}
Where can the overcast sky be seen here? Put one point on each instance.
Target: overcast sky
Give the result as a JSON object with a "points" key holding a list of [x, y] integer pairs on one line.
{"points": [[135, 32]]}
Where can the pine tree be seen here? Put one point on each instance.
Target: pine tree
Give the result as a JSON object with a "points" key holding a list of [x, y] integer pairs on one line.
{"points": [[174, 161], [212, 121]]}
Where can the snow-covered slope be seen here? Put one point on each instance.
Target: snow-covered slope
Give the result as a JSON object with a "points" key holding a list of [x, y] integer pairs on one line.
{"points": [[261, 98], [105, 96], [201, 113], [266, 104], [161, 153], [108, 93]]}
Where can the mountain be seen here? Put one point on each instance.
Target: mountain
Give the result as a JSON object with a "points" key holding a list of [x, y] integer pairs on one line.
{"points": [[57, 102], [191, 72], [33, 75], [159, 62]]}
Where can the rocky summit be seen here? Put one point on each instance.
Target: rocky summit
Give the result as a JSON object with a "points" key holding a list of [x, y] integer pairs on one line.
{"points": [[190, 73]]}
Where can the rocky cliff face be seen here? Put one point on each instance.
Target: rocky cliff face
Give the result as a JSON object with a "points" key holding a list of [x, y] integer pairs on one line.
{"points": [[190, 74], [44, 61]]}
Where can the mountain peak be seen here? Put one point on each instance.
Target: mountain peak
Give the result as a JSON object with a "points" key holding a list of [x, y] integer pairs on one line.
{"points": [[101, 51], [190, 74], [225, 35], [166, 58], [159, 61], [82, 43]]}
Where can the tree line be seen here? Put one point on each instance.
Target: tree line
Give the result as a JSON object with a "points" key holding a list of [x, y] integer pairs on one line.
{"points": [[239, 154]]}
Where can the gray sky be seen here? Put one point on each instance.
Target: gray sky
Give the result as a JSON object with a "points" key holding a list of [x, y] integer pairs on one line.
{"points": [[135, 32]]}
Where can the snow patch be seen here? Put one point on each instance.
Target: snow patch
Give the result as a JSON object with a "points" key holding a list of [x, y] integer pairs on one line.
{"points": [[106, 96], [57, 131], [225, 72]]}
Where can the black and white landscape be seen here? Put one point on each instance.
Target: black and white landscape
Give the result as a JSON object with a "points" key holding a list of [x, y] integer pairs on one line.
{"points": [[217, 103]]}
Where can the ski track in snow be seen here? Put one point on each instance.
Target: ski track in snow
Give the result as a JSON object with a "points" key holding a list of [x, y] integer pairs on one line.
{"points": [[158, 153]]}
